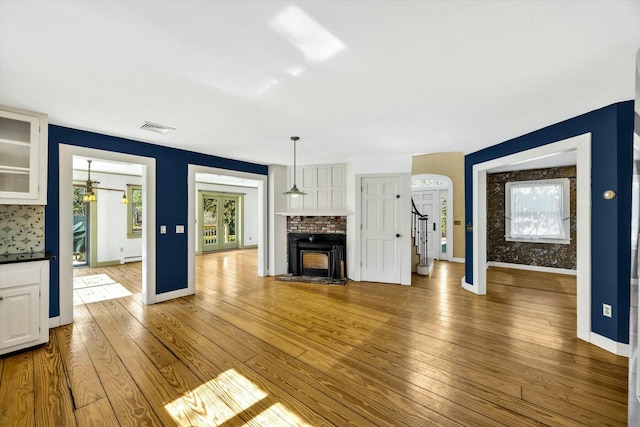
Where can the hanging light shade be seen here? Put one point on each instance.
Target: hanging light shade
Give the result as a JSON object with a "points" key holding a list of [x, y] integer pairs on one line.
{"points": [[124, 200], [294, 192]]}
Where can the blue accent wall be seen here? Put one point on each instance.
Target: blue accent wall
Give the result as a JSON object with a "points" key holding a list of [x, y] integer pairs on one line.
{"points": [[611, 131], [171, 200]]}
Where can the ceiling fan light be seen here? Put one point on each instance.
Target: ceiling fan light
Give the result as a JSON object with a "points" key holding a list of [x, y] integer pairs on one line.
{"points": [[89, 197]]}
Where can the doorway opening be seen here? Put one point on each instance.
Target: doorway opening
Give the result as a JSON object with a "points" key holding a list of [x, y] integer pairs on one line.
{"points": [[582, 145], [228, 210], [433, 196], [111, 202]]}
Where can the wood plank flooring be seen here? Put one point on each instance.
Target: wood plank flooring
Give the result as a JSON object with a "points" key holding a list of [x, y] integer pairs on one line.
{"points": [[254, 351]]}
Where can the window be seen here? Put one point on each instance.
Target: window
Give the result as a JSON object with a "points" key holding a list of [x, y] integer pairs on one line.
{"points": [[537, 211], [134, 211]]}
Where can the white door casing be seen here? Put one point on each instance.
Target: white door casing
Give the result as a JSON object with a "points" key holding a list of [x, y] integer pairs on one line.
{"points": [[381, 229], [581, 143], [65, 174]]}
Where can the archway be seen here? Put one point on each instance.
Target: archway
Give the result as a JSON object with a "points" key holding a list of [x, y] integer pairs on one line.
{"points": [[440, 183]]}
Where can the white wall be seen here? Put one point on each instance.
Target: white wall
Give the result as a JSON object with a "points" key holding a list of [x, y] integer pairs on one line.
{"points": [[251, 236], [112, 241]]}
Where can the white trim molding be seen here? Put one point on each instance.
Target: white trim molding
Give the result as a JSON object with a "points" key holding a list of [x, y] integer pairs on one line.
{"points": [[178, 293], [261, 185], [465, 285], [580, 143], [610, 345], [65, 176], [54, 322], [532, 268]]}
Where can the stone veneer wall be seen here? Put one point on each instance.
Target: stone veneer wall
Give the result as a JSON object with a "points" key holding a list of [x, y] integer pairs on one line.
{"points": [[528, 253], [21, 229], [317, 224]]}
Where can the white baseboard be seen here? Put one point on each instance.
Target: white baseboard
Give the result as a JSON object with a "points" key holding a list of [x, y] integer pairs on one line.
{"points": [[173, 294], [610, 345], [460, 260], [532, 268], [54, 322], [467, 286]]}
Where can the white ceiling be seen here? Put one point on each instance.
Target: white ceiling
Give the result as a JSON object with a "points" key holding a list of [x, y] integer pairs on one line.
{"points": [[404, 77]]}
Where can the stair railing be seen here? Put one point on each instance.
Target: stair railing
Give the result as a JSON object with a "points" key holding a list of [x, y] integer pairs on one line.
{"points": [[419, 233]]}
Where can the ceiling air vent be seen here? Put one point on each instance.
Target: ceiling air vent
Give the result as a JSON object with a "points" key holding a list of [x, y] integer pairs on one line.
{"points": [[154, 127]]}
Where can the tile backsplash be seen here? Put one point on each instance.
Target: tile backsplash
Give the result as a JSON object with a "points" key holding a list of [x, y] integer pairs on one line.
{"points": [[21, 229]]}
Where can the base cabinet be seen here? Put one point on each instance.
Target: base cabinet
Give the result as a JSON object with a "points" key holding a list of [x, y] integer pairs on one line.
{"points": [[24, 305]]}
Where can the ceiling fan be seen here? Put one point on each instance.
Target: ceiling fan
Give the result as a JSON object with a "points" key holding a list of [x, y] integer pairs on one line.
{"points": [[90, 187]]}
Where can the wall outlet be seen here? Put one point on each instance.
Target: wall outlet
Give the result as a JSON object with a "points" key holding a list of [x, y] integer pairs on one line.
{"points": [[121, 249], [163, 229], [606, 310], [179, 229]]}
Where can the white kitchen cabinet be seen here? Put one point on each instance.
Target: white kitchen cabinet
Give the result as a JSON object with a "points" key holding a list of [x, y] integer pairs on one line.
{"points": [[23, 157], [24, 305]]}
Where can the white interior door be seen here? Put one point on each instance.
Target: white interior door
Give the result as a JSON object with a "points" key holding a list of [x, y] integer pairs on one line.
{"points": [[381, 255], [428, 203]]}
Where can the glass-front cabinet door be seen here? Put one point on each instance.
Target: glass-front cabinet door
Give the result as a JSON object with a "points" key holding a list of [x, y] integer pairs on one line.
{"points": [[22, 158]]}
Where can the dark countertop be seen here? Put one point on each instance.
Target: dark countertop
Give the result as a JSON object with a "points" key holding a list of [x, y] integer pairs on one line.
{"points": [[26, 257]]}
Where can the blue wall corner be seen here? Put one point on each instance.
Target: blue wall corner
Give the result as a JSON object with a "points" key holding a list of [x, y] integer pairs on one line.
{"points": [[611, 131], [171, 200]]}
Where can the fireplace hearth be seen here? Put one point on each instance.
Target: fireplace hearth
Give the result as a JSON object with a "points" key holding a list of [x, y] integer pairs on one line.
{"points": [[317, 255]]}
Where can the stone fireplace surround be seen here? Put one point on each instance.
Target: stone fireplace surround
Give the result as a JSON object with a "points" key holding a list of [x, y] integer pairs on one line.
{"points": [[324, 237]]}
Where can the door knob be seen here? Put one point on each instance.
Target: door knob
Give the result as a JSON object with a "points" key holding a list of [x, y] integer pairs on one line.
{"points": [[398, 235]]}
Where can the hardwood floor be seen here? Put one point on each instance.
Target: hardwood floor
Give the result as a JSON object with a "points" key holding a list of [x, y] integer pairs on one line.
{"points": [[254, 351]]}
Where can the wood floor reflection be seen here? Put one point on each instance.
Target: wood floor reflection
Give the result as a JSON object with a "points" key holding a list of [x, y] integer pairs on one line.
{"points": [[247, 350]]}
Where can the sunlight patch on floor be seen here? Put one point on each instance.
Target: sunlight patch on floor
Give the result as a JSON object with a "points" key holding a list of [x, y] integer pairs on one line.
{"points": [[230, 395], [99, 287]]}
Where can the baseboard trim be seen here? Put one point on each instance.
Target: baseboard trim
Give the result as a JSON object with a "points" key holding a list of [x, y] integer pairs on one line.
{"points": [[467, 286], [532, 268], [54, 322], [166, 296], [610, 345], [460, 260], [106, 263]]}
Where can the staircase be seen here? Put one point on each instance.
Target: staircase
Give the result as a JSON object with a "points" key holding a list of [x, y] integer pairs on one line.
{"points": [[419, 234]]}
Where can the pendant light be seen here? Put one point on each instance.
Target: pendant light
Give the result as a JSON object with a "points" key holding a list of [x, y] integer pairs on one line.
{"points": [[294, 192], [124, 200]]}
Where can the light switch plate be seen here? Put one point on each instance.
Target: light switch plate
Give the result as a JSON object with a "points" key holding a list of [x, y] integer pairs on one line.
{"points": [[179, 229], [163, 229]]}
